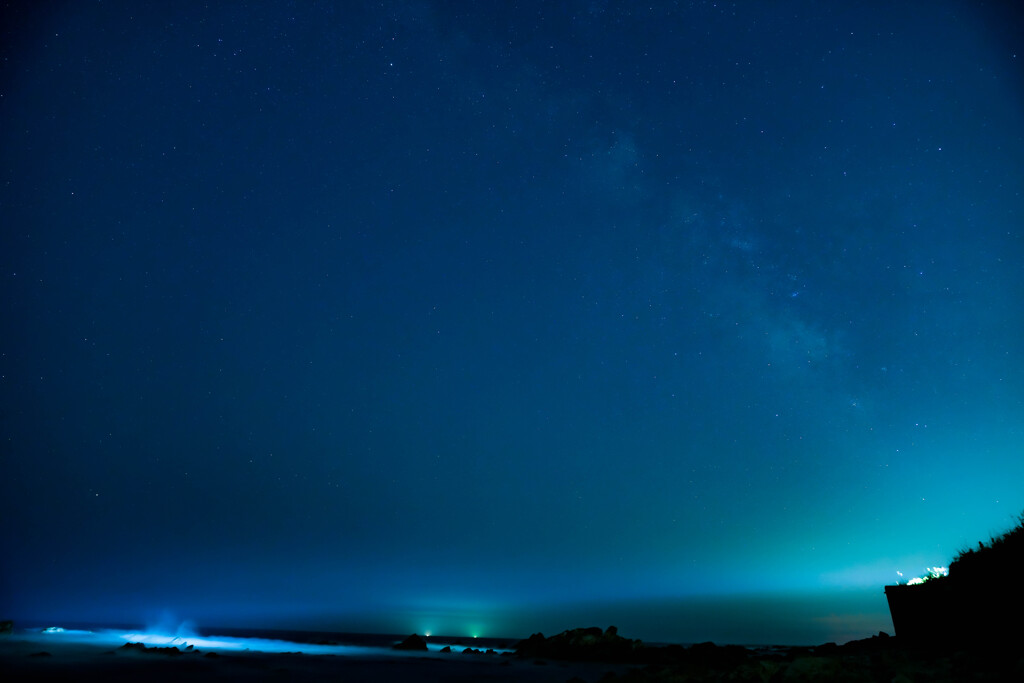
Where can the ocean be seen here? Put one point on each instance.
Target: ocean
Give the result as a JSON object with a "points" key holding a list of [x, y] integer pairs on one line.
{"points": [[245, 639]]}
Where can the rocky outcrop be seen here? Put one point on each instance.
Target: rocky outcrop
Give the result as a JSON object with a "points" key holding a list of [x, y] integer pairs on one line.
{"points": [[716, 656], [879, 658], [973, 606], [581, 644], [413, 643], [140, 647]]}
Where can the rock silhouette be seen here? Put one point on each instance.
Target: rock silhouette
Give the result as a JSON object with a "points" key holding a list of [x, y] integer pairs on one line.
{"points": [[413, 643], [973, 606]]}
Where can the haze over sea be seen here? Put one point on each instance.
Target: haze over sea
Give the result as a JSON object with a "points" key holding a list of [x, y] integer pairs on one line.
{"points": [[768, 619]]}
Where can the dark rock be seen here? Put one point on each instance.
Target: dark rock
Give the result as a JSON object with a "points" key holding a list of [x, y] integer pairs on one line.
{"points": [[6, 626], [582, 644], [413, 642], [970, 604], [819, 669], [717, 656], [796, 651], [879, 643], [446, 648], [141, 647]]}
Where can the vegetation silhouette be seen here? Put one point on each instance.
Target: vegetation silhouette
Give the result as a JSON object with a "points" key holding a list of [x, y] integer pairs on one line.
{"points": [[1002, 556]]}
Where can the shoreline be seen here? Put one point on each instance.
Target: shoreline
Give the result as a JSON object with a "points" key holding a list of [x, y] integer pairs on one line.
{"points": [[26, 655]]}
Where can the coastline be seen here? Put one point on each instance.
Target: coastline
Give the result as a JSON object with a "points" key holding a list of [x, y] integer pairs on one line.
{"points": [[31, 659], [32, 656]]}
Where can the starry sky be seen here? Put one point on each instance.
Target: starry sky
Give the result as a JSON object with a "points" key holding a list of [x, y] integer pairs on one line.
{"points": [[698, 318]]}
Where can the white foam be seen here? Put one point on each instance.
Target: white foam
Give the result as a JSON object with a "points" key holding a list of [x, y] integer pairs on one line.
{"points": [[115, 639]]}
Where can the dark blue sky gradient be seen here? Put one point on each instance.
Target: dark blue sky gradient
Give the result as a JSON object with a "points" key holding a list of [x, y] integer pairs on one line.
{"points": [[507, 317]]}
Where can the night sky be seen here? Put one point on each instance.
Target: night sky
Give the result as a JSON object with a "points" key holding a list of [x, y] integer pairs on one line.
{"points": [[701, 319]]}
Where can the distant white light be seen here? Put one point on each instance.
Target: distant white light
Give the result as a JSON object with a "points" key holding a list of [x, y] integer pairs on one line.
{"points": [[933, 573]]}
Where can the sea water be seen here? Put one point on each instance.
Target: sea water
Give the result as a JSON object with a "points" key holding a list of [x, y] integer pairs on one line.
{"points": [[249, 640]]}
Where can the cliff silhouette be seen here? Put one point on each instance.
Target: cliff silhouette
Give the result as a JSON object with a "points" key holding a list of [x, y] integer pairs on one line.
{"points": [[977, 603]]}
